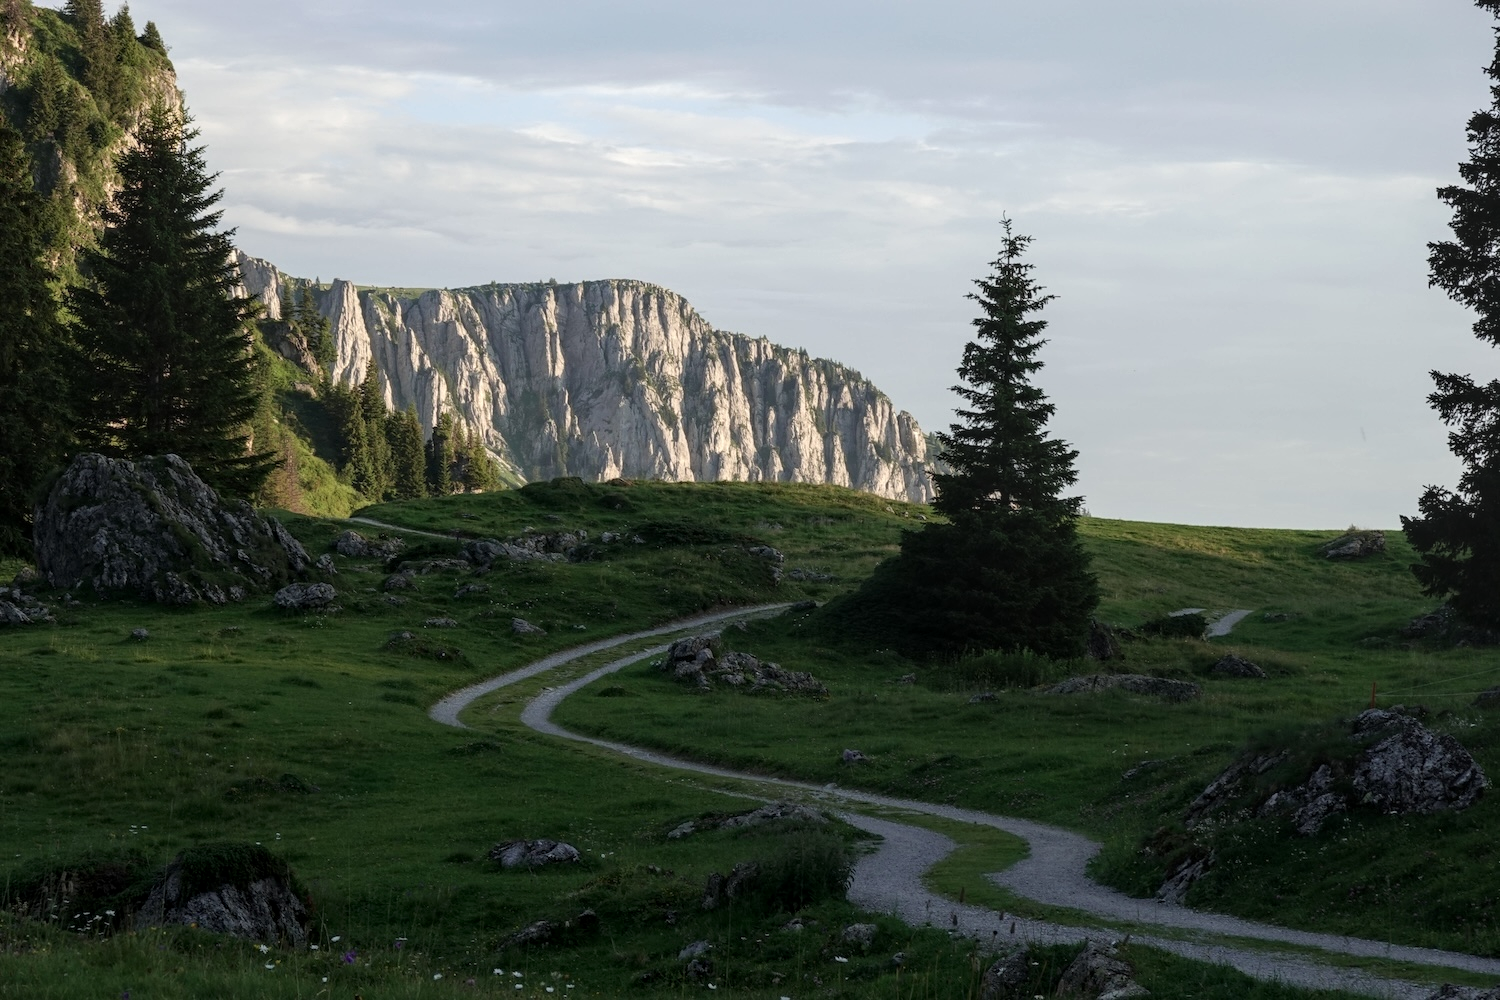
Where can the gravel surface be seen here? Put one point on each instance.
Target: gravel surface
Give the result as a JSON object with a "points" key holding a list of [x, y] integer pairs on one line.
{"points": [[890, 879]]}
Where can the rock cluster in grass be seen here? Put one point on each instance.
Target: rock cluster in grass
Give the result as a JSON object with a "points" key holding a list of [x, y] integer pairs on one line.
{"points": [[719, 889], [245, 903], [529, 546], [1396, 765], [702, 660], [533, 853], [1156, 687], [153, 529], [1355, 544], [306, 597], [1442, 624], [1449, 991], [19, 608], [1103, 644], [1237, 666], [771, 812], [1098, 973], [356, 546]]}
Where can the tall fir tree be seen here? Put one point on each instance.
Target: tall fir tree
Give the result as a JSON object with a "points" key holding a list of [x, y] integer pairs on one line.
{"points": [[347, 407], [373, 412], [480, 473], [1457, 536], [408, 461], [34, 351], [1007, 572], [168, 365], [151, 38], [440, 457]]}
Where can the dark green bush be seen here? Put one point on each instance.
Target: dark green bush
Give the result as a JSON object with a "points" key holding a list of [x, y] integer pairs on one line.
{"points": [[1176, 626], [806, 866]]}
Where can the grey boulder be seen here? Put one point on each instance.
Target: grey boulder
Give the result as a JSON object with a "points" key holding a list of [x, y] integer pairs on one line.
{"points": [[533, 853], [306, 597], [153, 529], [265, 909], [1156, 687]]}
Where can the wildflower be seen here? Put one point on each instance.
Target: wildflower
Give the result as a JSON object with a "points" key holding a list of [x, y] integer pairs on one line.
{"points": [[110, 913], [270, 965], [499, 972], [350, 956], [336, 939], [325, 979], [841, 959], [436, 976], [518, 975], [551, 990], [264, 949], [312, 947], [400, 943]]}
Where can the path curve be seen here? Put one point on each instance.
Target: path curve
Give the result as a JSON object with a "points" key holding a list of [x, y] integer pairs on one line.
{"points": [[371, 522], [890, 879]]}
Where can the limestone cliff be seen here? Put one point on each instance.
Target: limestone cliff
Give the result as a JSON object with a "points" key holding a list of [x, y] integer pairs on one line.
{"points": [[616, 378]]}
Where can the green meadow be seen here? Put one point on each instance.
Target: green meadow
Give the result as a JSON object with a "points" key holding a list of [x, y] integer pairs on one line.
{"points": [[308, 734]]}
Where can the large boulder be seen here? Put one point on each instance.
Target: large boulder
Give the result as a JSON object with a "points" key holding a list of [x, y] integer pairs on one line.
{"points": [[702, 659], [153, 529], [533, 853], [238, 889], [1355, 544], [1099, 973]]}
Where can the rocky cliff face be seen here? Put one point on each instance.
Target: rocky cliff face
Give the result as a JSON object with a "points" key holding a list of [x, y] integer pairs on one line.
{"points": [[616, 378]]}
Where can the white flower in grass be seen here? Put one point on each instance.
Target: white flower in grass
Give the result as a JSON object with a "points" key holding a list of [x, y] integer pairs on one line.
{"points": [[336, 939], [841, 959], [264, 949], [436, 976], [270, 965], [499, 972]]}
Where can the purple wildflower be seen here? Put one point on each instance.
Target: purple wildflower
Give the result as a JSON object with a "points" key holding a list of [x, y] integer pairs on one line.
{"points": [[350, 956]]}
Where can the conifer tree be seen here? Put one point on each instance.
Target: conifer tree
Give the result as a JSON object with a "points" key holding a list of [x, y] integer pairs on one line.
{"points": [[1457, 535], [14, 15], [440, 457], [33, 350], [151, 38], [1007, 572], [408, 460], [373, 412], [168, 366], [480, 473]]}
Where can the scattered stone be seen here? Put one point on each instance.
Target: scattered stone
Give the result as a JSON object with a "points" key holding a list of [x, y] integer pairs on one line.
{"points": [[140, 634], [325, 565], [610, 537], [854, 757], [861, 936], [471, 588], [1098, 972], [718, 889], [907, 679], [693, 950], [539, 932], [1238, 666], [431, 566], [398, 581], [254, 897], [1276, 616], [1443, 624], [701, 660], [24, 611], [521, 626], [1005, 978], [25, 577], [1158, 687], [1103, 644], [306, 597], [801, 606], [529, 546], [982, 697], [767, 553], [1449, 991], [1181, 878], [533, 853], [796, 925], [356, 546], [809, 576], [440, 623], [152, 528], [771, 812], [1355, 544], [699, 968]]}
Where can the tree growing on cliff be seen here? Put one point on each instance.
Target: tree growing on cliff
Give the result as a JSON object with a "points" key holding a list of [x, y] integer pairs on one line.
{"points": [[1007, 571], [1457, 535], [168, 366], [33, 350]]}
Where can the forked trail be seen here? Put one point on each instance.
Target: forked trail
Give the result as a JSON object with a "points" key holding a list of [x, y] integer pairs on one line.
{"points": [[889, 880]]}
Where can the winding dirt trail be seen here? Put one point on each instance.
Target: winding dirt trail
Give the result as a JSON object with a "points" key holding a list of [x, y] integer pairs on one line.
{"points": [[890, 879]]}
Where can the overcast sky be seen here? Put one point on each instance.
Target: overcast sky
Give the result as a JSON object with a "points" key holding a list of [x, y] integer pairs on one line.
{"points": [[1231, 199]]}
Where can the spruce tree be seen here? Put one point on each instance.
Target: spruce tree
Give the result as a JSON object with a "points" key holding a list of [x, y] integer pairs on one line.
{"points": [[373, 409], [404, 433], [440, 457], [1007, 572], [151, 38], [34, 420], [168, 365], [1457, 535], [480, 473]]}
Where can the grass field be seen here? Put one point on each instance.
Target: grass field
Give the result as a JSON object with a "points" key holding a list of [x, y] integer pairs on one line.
{"points": [[112, 744]]}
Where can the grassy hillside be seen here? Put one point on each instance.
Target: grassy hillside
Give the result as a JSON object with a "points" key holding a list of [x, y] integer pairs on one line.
{"points": [[308, 733]]}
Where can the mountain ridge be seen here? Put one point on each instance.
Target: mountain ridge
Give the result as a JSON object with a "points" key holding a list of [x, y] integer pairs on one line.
{"points": [[612, 377]]}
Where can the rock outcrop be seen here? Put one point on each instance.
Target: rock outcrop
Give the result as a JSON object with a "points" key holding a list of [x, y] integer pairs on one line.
{"points": [[1355, 544], [771, 812], [1396, 765], [533, 853], [603, 379], [153, 529], [702, 660], [255, 897]]}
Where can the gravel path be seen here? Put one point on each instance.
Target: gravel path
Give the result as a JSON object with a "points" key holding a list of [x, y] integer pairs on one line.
{"points": [[1223, 625], [396, 527], [890, 879]]}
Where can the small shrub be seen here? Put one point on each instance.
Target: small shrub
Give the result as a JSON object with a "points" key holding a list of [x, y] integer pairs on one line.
{"points": [[615, 691], [1175, 626], [993, 670], [806, 866]]}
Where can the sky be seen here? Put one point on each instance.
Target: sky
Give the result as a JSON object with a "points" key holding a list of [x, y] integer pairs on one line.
{"points": [[1230, 199]]}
